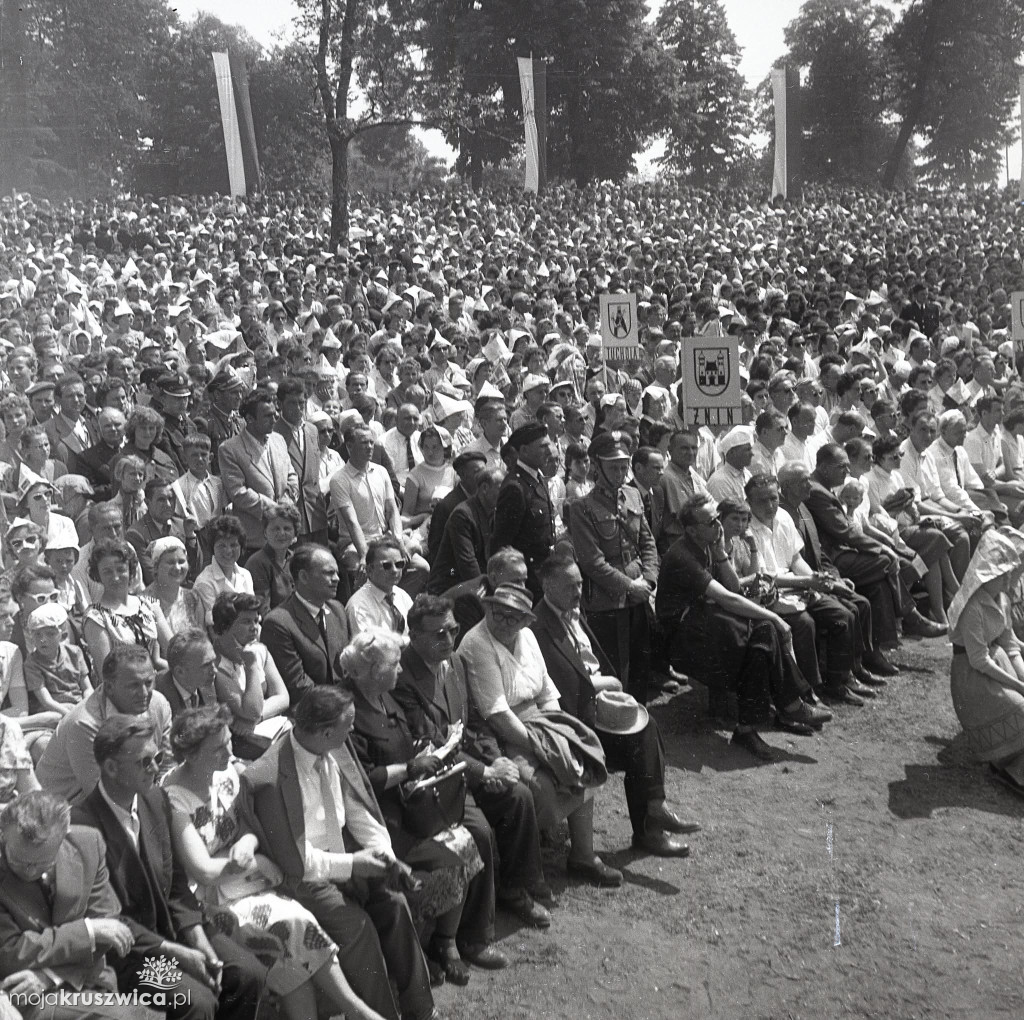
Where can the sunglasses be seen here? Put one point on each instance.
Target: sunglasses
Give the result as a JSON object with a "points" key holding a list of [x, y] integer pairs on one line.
{"points": [[442, 632], [40, 600]]}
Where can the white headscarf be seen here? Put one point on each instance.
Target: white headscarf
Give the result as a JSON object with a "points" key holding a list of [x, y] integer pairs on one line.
{"points": [[995, 556]]}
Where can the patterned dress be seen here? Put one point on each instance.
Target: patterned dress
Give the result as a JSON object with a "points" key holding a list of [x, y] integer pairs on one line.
{"points": [[278, 931]]}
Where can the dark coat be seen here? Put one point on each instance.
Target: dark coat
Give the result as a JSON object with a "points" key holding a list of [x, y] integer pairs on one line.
{"points": [[462, 551], [523, 519]]}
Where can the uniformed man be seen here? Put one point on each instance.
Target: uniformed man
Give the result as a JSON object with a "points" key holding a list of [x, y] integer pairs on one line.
{"points": [[171, 397], [224, 391], [524, 517], [619, 562]]}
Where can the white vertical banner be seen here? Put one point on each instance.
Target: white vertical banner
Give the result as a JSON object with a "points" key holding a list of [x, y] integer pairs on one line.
{"points": [[526, 84], [1020, 186], [780, 180], [229, 121]]}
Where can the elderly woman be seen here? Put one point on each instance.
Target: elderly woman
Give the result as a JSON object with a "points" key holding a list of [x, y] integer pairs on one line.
{"points": [[457, 865], [227, 537], [120, 617], [222, 859], [987, 671], [510, 686], [247, 680], [142, 433], [181, 607], [271, 579]]}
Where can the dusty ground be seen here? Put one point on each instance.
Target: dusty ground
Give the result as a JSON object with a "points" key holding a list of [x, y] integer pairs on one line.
{"points": [[881, 822]]}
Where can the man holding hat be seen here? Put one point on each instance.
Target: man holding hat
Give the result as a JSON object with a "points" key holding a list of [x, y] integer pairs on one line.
{"points": [[589, 691], [524, 517], [619, 561]]}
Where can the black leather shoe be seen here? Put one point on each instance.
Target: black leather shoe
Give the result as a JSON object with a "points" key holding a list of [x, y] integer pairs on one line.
{"points": [[751, 742], [543, 894], [660, 844], [842, 695], [807, 715], [869, 679], [791, 724], [520, 903], [880, 665], [861, 689], [596, 872], [450, 962], [668, 821], [482, 954], [915, 625]]}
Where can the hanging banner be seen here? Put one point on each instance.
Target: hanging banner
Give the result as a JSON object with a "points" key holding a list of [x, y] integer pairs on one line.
{"points": [[533, 85], [1020, 185], [787, 177], [229, 121], [246, 128]]}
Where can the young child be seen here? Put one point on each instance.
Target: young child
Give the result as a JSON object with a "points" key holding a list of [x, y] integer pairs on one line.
{"points": [[851, 495], [56, 674]]}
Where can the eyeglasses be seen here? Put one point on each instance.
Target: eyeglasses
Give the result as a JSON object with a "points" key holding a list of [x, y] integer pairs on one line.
{"points": [[150, 761], [392, 565], [451, 631], [509, 616], [40, 599]]}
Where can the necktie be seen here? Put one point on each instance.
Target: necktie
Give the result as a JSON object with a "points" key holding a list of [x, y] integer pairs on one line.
{"points": [[321, 622], [956, 469], [46, 884], [397, 620], [335, 839], [193, 700], [410, 457], [649, 509]]}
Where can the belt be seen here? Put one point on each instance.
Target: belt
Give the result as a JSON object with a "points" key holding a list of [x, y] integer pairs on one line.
{"points": [[959, 650]]}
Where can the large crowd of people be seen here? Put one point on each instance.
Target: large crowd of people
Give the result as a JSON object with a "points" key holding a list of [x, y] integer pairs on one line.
{"points": [[336, 581]]}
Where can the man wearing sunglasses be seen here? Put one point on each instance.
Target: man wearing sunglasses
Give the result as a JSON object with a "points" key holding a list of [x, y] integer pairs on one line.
{"points": [[380, 602]]}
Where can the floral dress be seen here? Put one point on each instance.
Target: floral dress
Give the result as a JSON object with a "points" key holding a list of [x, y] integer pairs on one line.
{"points": [[14, 758], [278, 931], [126, 626]]}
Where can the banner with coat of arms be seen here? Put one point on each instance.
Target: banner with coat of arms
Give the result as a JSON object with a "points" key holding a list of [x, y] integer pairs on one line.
{"points": [[711, 380]]}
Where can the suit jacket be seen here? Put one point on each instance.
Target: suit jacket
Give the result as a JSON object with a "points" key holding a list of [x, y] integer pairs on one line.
{"points": [[306, 462], [63, 441], [657, 514], [271, 802], [431, 706], [157, 902], [833, 525], [165, 685], [462, 551], [35, 934], [255, 479], [439, 518], [297, 646], [96, 463], [812, 552], [523, 518], [565, 667]]}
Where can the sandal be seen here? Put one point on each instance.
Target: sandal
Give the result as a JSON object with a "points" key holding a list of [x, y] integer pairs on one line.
{"points": [[446, 956]]}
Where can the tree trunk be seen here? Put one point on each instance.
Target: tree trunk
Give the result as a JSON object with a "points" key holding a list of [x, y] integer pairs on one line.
{"points": [[929, 42], [339, 189]]}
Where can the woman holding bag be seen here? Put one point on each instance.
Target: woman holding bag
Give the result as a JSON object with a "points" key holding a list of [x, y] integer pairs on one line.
{"points": [[222, 859], [456, 865]]}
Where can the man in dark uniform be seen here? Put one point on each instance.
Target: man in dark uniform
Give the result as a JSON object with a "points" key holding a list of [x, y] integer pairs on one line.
{"points": [[619, 562], [225, 392], [524, 517], [171, 400]]}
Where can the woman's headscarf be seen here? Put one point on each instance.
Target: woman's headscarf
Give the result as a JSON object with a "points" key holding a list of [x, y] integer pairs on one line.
{"points": [[995, 556], [160, 547]]}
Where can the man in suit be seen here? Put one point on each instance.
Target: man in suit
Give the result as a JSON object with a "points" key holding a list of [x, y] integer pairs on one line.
{"points": [[59, 917], [434, 697], [255, 467], [71, 429], [648, 468], [461, 554], [794, 488], [302, 440], [523, 516], [96, 462], [134, 817], [873, 568], [159, 521], [188, 681], [313, 810], [307, 632], [67, 767], [580, 670], [467, 465]]}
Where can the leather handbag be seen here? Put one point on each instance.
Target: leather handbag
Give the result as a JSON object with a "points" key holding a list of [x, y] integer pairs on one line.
{"points": [[435, 804]]}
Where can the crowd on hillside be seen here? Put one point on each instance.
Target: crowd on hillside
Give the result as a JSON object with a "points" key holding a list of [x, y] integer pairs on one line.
{"points": [[335, 581]]}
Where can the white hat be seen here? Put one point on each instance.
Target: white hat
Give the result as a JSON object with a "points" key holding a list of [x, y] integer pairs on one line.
{"points": [[51, 614], [739, 435], [534, 382]]}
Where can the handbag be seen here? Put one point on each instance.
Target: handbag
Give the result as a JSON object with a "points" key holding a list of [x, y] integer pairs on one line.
{"points": [[435, 804]]}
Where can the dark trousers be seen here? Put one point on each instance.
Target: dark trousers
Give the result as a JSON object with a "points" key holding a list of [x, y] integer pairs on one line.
{"points": [[513, 817], [625, 638], [477, 924], [872, 579], [805, 645], [838, 626], [242, 981], [371, 925], [642, 758]]}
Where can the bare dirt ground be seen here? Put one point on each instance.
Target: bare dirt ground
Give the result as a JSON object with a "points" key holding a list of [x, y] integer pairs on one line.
{"points": [[875, 872]]}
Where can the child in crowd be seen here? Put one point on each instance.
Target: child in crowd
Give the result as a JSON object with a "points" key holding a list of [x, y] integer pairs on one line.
{"points": [[56, 673]]}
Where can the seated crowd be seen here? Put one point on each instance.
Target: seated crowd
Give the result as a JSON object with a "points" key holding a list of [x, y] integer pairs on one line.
{"points": [[334, 584]]}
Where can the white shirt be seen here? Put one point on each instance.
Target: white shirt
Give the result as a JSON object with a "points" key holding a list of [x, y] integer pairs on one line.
{"points": [[777, 546], [727, 483], [985, 449], [204, 497], [321, 861], [368, 493], [492, 453], [396, 446], [798, 450], [766, 462], [367, 608], [954, 475], [129, 819]]}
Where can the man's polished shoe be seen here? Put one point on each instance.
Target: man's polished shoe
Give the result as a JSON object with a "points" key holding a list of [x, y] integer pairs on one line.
{"points": [[751, 742], [543, 894], [482, 954], [520, 903], [915, 625], [805, 715], [869, 679], [812, 699], [660, 844], [861, 689], [791, 725], [841, 694], [668, 821], [595, 871], [879, 664]]}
